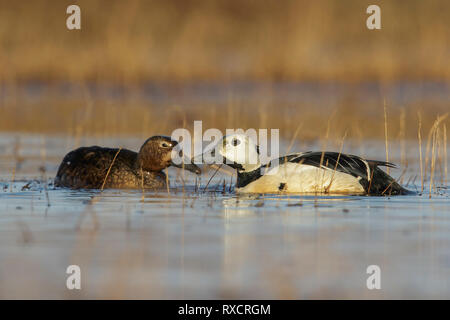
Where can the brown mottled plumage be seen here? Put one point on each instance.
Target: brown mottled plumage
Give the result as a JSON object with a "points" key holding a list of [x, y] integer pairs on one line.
{"points": [[87, 167]]}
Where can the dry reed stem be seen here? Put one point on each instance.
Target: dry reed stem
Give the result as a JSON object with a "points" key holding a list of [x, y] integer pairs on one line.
{"points": [[182, 164], [167, 182], [427, 151], [393, 180], [291, 143], [204, 189], [386, 134], [325, 145], [327, 189], [434, 126], [13, 177], [445, 153], [370, 182], [403, 160], [16, 161], [419, 136], [432, 136], [433, 160], [109, 169], [43, 152], [439, 154], [142, 185]]}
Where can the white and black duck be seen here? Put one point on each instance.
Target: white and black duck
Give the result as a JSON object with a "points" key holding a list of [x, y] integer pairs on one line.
{"points": [[306, 172]]}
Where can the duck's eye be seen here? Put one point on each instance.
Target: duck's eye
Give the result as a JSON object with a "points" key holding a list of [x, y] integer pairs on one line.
{"points": [[235, 142], [165, 145]]}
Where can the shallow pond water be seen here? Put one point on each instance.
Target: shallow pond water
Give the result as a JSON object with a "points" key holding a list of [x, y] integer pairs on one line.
{"points": [[209, 243]]}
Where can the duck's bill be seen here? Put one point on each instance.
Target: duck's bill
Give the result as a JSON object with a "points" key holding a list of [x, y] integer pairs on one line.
{"points": [[188, 166]]}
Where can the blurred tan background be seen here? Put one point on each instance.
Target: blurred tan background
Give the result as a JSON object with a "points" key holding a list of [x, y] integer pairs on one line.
{"points": [[126, 45], [222, 39]]}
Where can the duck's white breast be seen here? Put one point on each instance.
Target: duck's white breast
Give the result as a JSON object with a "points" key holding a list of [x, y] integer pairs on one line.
{"points": [[294, 177]]}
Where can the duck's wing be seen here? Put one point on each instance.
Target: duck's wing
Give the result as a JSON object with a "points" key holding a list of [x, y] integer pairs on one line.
{"points": [[87, 167], [345, 163]]}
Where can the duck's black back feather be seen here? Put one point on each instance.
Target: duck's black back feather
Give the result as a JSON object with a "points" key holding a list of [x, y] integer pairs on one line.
{"points": [[345, 163], [374, 180]]}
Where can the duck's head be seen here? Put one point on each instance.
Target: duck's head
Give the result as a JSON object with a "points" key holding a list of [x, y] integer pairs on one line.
{"points": [[236, 150], [156, 155]]}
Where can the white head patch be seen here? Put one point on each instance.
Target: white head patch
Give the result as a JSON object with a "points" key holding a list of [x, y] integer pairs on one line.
{"points": [[240, 149]]}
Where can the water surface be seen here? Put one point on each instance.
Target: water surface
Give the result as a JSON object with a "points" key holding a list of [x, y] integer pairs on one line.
{"points": [[210, 243]]}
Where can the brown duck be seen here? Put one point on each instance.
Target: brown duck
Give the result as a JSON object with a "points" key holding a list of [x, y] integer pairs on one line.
{"points": [[97, 168]]}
